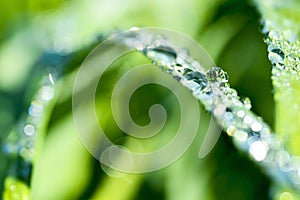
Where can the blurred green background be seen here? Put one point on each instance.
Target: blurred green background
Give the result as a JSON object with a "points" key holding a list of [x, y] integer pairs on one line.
{"points": [[227, 29]]}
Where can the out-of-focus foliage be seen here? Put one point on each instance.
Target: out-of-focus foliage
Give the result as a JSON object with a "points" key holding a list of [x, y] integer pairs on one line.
{"points": [[228, 30]]}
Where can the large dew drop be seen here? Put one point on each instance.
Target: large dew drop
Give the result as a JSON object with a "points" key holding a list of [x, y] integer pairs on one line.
{"points": [[194, 80], [162, 55]]}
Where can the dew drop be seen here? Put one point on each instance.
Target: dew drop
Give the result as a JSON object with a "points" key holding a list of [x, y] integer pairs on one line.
{"points": [[258, 150], [9, 149], [241, 135], [228, 116], [230, 93], [241, 113], [247, 103], [196, 80], [29, 130], [187, 70], [265, 132], [35, 108], [275, 58], [248, 119], [256, 127], [162, 55], [274, 35], [279, 66], [219, 110], [282, 158], [276, 55], [217, 74], [47, 93], [231, 130], [264, 28]]}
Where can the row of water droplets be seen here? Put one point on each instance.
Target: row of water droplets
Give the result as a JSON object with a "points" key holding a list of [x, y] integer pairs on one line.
{"points": [[25, 142], [283, 52], [21, 145], [251, 134]]}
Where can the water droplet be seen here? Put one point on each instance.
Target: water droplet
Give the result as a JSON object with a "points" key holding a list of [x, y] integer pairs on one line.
{"points": [[276, 72], [282, 158], [35, 108], [219, 110], [225, 85], [240, 113], [295, 163], [258, 150], [275, 55], [26, 153], [163, 55], [187, 70], [248, 119], [274, 35], [194, 80], [230, 93], [247, 103], [9, 149], [240, 135], [47, 93], [264, 28], [279, 66], [29, 130], [256, 127], [265, 132], [228, 116], [231, 130], [273, 142], [217, 74]]}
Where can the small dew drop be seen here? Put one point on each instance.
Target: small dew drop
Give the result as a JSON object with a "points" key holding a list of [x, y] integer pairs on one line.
{"points": [[9, 149], [256, 127], [219, 110], [282, 158], [279, 66], [274, 35], [248, 119], [29, 130], [228, 116], [265, 132], [35, 108], [47, 93], [230, 130], [295, 163], [241, 136], [240, 113], [258, 150], [247, 103]]}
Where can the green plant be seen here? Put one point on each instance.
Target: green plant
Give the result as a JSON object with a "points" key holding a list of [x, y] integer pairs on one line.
{"points": [[48, 103]]}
